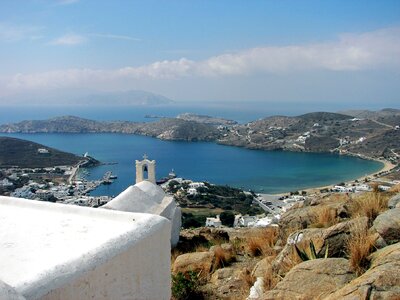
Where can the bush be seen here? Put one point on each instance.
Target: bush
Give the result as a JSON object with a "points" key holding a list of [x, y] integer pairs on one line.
{"points": [[184, 286], [227, 218]]}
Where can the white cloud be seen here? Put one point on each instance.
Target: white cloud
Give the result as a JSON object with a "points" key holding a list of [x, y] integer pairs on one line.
{"points": [[115, 37], [69, 39], [356, 52], [14, 33]]}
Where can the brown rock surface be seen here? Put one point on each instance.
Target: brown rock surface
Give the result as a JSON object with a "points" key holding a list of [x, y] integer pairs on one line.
{"points": [[305, 215], [262, 267], [334, 237], [312, 279], [387, 225], [196, 261], [381, 281], [394, 201]]}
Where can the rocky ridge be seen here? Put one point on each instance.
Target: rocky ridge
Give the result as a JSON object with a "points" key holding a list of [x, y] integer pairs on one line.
{"points": [[254, 263]]}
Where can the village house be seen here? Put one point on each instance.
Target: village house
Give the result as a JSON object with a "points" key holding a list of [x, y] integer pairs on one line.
{"points": [[43, 151], [192, 191], [213, 222], [6, 183], [244, 221]]}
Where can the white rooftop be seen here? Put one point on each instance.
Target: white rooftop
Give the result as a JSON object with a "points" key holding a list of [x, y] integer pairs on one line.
{"points": [[43, 244]]}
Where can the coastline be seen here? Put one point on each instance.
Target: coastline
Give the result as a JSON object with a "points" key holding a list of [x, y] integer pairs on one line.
{"points": [[387, 166]]}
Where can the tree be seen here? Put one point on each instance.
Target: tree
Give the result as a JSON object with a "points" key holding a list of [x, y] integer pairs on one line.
{"points": [[227, 218]]}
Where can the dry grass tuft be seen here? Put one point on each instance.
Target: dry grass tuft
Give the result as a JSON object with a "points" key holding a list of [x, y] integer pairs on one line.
{"points": [[248, 281], [395, 188], [222, 258], [271, 279], [359, 247], [201, 248], [323, 217], [255, 246], [369, 205], [263, 242]]}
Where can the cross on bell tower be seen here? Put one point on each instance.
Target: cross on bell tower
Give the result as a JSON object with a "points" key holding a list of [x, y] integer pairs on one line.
{"points": [[145, 170]]}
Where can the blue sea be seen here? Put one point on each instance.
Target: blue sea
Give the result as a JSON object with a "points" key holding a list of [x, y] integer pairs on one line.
{"points": [[261, 171]]}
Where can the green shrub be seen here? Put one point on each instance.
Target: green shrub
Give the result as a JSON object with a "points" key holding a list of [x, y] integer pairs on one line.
{"points": [[184, 286]]}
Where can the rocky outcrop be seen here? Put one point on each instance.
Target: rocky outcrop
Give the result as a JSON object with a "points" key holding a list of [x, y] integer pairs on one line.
{"points": [[312, 279], [305, 215], [263, 267], [395, 200], [189, 239], [381, 281], [196, 262], [387, 225], [227, 282], [334, 238]]}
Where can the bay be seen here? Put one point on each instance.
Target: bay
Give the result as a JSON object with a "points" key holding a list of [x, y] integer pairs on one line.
{"points": [[261, 171]]}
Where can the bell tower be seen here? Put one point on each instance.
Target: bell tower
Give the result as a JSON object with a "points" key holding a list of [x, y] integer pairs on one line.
{"points": [[145, 170]]}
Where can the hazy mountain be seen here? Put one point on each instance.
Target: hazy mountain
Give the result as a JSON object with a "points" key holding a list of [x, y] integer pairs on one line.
{"points": [[132, 97], [86, 97]]}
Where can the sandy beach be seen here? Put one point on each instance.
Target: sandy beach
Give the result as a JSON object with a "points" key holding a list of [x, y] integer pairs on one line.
{"points": [[387, 166]]}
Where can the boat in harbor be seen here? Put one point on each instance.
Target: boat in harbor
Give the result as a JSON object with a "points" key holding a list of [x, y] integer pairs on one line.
{"points": [[108, 178], [171, 175]]}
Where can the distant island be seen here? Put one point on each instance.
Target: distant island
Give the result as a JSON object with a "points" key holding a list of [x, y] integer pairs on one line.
{"points": [[27, 154], [368, 134], [120, 98]]}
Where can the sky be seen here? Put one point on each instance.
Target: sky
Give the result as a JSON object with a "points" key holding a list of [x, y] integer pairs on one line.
{"points": [[343, 53]]}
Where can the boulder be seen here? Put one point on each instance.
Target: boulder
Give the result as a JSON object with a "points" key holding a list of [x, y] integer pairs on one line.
{"points": [[394, 201], [334, 238], [214, 234], [313, 279], [381, 281], [228, 248], [263, 266], [196, 261], [190, 239], [227, 283], [387, 225], [304, 216]]}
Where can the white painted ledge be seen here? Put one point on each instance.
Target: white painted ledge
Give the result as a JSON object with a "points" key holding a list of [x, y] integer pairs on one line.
{"points": [[56, 251]]}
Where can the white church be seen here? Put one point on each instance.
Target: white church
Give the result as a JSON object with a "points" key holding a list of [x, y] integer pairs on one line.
{"points": [[120, 251]]}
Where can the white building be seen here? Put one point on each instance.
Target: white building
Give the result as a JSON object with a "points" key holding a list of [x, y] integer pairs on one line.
{"points": [[147, 197], [192, 191], [362, 188], [213, 222], [196, 185], [43, 151], [343, 189], [56, 251], [6, 183], [44, 195], [245, 221], [23, 192]]}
